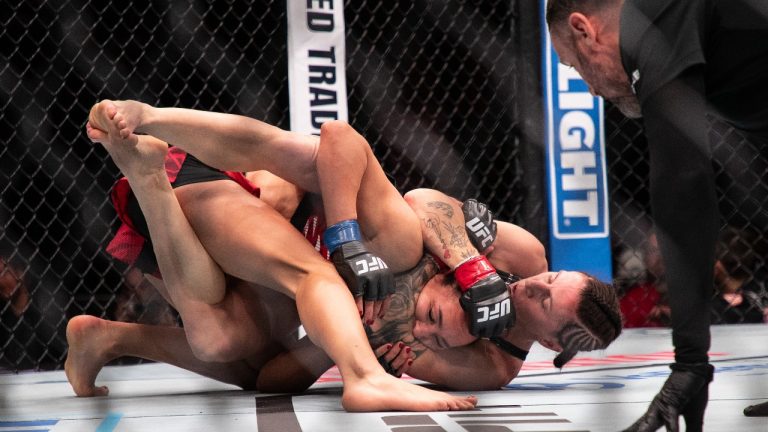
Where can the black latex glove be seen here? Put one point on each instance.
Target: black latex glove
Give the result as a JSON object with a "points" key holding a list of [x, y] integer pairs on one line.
{"points": [[685, 393]]}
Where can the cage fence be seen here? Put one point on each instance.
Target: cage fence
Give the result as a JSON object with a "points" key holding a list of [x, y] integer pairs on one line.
{"points": [[440, 90]]}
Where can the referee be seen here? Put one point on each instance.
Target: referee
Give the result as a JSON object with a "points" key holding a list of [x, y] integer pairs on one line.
{"points": [[673, 62]]}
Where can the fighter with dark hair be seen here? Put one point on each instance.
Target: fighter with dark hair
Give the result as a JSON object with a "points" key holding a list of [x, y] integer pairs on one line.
{"points": [[546, 303]]}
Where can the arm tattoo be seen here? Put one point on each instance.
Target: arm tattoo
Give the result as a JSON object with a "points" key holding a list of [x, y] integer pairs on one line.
{"points": [[397, 324], [442, 206], [451, 237]]}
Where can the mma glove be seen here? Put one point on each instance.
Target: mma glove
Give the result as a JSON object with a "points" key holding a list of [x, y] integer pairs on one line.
{"points": [[365, 274], [479, 223], [685, 393], [485, 298]]}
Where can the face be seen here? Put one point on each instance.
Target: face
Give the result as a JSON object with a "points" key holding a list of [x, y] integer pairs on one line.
{"points": [[600, 68], [440, 321], [545, 303]]}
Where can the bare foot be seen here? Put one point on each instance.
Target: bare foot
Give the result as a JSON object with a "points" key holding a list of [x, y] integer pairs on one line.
{"points": [[384, 392], [101, 115], [125, 116], [135, 155], [88, 338]]}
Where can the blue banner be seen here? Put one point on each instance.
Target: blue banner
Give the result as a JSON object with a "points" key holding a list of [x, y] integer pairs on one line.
{"points": [[579, 236]]}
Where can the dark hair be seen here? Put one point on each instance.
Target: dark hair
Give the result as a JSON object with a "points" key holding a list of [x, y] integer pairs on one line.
{"points": [[599, 310], [559, 10], [599, 313]]}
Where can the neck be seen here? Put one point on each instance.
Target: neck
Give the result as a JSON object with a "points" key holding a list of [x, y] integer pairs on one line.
{"points": [[520, 338]]}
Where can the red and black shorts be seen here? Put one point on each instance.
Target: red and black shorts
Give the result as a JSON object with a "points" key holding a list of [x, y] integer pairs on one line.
{"points": [[131, 243]]}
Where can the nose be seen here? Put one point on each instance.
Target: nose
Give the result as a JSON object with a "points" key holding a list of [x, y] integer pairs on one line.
{"points": [[422, 330]]}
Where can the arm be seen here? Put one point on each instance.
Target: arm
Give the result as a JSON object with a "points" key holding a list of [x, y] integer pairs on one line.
{"points": [[479, 366], [485, 296], [295, 370], [517, 251], [364, 211], [442, 225], [514, 250]]}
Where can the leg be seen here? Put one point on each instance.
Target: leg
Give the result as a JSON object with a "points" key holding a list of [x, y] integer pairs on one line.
{"points": [[354, 186], [325, 304], [181, 258], [684, 205], [94, 342], [225, 141], [242, 325]]}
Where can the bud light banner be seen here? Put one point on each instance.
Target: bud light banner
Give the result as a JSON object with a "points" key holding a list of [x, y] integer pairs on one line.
{"points": [[577, 188]]}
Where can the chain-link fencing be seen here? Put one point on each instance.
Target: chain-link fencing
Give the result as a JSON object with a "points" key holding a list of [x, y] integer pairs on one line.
{"points": [[447, 93]]}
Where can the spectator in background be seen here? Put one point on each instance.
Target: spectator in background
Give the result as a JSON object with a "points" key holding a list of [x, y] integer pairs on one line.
{"points": [[13, 291], [737, 299], [645, 304], [138, 301], [14, 300], [28, 334]]}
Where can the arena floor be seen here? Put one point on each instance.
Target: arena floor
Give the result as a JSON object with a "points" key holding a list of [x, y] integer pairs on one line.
{"points": [[602, 392]]}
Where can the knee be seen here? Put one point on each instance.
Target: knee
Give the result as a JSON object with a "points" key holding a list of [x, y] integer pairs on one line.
{"points": [[341, 135], [335, 127], [215, 348], [317, 286]]}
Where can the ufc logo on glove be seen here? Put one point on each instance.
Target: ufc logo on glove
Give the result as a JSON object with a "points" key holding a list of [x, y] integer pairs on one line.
{"points": [[372, 264], [481, 231], [496, 311]]}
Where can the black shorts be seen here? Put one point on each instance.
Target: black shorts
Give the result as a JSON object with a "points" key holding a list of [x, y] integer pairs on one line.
{"points": [[192, 171]]}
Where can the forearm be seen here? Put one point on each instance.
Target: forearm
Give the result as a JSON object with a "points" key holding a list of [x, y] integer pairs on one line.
{"points": [[442, 225], [480, 366], [517, 251], [295, 370]]}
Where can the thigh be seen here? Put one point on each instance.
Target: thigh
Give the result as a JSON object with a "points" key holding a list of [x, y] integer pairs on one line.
{"points": [[236, 328], [248, 238]]}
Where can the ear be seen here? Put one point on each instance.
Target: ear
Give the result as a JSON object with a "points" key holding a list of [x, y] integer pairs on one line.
{"points": [[582, 28]]}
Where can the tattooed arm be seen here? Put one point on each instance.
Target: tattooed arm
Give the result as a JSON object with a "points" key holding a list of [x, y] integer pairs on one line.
{"points": [[479, 366], [442, 225], [515, 250]]}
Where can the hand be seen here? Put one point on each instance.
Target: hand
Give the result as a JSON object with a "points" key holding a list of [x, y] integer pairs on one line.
{"points": [[367, 276], [481, 228], [395, 358], [685, 393], [485, 298]]}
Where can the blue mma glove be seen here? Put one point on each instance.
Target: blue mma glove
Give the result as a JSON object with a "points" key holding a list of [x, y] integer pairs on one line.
{"points": [[365, 274]]}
